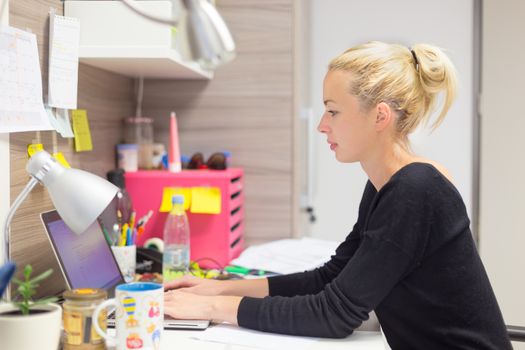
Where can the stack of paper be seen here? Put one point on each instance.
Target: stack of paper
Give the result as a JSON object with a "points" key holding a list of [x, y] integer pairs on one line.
{"points": [[287, 255], [233, 335]]}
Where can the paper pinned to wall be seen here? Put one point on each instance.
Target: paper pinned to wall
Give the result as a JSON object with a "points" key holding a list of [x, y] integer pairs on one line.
{"points": [[21, 103], [81, 130], [59, 119], [64, 36]]}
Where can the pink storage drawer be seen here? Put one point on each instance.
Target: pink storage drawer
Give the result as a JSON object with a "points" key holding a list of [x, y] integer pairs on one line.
{"points": [[218, 237]]}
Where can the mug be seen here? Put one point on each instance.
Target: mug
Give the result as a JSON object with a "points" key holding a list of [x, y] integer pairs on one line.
{"points": [[139, 316]]}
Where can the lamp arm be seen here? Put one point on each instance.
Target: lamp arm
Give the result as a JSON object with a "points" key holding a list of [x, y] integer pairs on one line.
{"points": [[132, 6], [7, 224]]}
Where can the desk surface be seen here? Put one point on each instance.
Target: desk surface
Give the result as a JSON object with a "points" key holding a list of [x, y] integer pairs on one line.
{"points": [[177, 339]]}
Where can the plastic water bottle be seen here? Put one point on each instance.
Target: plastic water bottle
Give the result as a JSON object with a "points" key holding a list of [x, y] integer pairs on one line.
{"points": [[176, 257]]}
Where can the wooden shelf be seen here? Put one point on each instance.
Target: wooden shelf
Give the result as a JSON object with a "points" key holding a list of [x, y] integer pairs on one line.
{"points": [[162, 63]]}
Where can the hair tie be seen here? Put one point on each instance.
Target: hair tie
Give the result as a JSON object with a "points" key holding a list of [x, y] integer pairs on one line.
{"points": [[416, 62]]}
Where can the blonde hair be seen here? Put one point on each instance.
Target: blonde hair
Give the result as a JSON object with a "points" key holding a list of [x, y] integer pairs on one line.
{"points": [[408, 80]]}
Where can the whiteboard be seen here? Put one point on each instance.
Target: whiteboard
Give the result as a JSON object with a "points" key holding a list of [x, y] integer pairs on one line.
{"points": [[336, 25]]}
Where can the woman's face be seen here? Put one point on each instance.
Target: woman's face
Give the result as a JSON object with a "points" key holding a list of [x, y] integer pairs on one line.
{"points": [[350, 130]]}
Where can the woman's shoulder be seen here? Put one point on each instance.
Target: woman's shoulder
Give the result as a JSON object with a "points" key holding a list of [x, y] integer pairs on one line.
{"points": [[437, 166], [421, 175]]}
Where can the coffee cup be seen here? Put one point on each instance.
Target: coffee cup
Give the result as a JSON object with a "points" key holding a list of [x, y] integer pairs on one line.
{"points": [[139, 316]]}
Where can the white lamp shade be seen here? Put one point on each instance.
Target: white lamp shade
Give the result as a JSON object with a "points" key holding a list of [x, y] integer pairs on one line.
{"points": [[210, 39], [78, 196]]}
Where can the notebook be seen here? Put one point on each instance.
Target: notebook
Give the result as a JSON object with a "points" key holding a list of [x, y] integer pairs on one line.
{"points": [[86, 261]]}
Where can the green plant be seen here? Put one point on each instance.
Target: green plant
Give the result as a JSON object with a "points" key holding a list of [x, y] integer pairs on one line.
{"points": [[27, 289]]}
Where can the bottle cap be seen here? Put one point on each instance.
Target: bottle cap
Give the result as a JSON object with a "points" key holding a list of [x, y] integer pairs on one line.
{"points": [[116, 177], [177, 199]]}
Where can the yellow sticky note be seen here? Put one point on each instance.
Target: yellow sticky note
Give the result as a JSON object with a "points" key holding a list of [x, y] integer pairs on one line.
{"points": [[59, 156], [167, 195], [33, 148], [81, 130], [205, 200]]}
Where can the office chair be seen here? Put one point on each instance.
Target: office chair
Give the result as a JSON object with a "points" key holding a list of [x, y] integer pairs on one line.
{"points": [[516, 333]]}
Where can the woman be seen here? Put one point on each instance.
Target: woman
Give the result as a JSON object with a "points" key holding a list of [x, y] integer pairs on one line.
{"points": [[410, 256]]}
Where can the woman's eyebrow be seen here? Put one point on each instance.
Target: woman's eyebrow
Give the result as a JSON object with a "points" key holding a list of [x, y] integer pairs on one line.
{"points": [[326, 101]]}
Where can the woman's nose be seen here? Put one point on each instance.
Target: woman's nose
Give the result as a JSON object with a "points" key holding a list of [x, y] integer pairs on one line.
{"points": [[322, 127]]}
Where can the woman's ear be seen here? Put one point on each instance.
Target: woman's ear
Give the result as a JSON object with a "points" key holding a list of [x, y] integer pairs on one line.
{"points": [[384, 116]]}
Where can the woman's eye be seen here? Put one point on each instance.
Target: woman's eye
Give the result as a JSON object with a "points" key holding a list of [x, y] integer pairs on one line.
{"points": [[332, 113]]}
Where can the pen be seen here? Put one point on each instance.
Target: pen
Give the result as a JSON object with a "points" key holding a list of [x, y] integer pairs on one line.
{"points": [[132, 220], [128, 236], [106, 235], [134, 236], [123, 234], [144, 220], [237, 269], [246, 271]]}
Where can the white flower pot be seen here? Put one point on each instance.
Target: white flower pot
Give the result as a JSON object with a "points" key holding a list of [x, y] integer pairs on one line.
{"points": [[35, 331]]}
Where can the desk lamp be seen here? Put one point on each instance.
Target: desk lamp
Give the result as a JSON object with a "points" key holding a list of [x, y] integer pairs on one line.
{"points": [[78, 196], [210, 40]]}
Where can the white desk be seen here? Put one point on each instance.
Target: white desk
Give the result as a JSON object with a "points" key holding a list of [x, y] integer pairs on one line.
{"points": [[182, 340]]}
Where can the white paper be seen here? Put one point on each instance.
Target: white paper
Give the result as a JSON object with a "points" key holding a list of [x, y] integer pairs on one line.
{"points": [[233, 335], [21, 103], [287, 255], [65, 129], [64, 36]]}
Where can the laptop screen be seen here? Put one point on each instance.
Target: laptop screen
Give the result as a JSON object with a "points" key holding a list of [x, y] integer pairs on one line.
{"points": [[86, 259]]}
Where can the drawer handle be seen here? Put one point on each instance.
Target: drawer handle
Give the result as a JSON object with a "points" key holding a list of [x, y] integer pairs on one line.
{"points": [[235, 211], [236, 226]]}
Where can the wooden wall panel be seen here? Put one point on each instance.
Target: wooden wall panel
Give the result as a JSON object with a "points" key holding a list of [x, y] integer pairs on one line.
{"points": [[107, 97], [246, 109]]}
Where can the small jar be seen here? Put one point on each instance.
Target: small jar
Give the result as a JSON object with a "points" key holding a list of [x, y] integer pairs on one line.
{"points": [[79, 333], [139, 130]]}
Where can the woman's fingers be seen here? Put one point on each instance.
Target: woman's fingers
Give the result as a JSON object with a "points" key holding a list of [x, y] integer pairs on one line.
{"points": [[185, 281]]}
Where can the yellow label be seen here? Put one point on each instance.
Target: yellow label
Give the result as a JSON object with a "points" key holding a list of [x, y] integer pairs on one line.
{"points": [[81, 130], [59, 156], [169, 192], [73, 327], [205, 200], [34, 148]]}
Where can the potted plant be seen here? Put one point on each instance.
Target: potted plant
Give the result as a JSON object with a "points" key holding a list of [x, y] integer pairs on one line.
{"points": [[26, 324]]}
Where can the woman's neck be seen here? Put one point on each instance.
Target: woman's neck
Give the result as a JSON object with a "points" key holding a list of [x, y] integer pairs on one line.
{"points": [[381, 166]]}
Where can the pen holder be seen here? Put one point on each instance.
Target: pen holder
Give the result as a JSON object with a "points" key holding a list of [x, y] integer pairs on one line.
{"points": [[126, 259]]}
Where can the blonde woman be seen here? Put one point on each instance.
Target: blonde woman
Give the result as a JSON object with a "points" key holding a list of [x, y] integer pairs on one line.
{"points": [[410, 256]]}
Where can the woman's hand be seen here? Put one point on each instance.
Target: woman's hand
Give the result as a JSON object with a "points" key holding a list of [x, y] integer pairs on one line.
{"points": [[195, 285], [183, 305]]}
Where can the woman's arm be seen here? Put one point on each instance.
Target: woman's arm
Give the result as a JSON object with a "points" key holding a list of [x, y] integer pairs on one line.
{"points": [[181, 305], [257, 288]]}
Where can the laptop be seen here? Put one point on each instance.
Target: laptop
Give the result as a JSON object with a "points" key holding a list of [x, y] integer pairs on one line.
{"points": [[86, 261]]}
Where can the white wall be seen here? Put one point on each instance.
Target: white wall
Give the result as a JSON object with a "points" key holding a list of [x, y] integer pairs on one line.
{"points": [[339, 24], [4, 155], [502, 204]]}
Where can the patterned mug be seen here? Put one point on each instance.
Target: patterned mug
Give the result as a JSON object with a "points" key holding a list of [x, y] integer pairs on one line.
{"points": [[139, 316]]}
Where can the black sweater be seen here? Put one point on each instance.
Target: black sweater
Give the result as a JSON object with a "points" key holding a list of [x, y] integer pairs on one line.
{"points": [[411, 258]]}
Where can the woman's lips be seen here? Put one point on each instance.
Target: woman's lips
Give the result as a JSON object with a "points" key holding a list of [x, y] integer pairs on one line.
{"points": [[333, 146]]}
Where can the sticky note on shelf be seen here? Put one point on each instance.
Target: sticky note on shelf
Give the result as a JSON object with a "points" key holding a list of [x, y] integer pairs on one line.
{"points": [[59, 156], [169, 192], [205, 200], [81, 130], [34, 148]]}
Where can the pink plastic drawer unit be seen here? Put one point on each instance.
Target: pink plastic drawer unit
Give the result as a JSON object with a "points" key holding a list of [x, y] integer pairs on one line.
{"points": [[219, 237]]}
